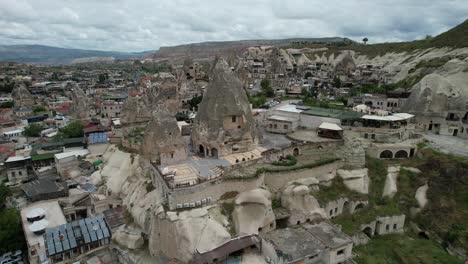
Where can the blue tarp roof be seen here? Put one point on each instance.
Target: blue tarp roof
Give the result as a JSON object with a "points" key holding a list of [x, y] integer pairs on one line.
{"points": [[95, 138]]}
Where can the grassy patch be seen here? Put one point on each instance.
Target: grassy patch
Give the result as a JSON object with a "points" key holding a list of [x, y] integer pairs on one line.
{"points": [[289, 161], [391, 249], [351, 223], [335, 191]]}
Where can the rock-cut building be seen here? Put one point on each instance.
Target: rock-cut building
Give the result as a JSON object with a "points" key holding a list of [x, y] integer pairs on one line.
{"points": [[162, 142], [224, 124]]}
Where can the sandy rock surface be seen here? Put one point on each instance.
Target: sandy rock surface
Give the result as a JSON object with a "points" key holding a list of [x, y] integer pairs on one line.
{"points": [[390, 188], [356, 180], [252, 211]]}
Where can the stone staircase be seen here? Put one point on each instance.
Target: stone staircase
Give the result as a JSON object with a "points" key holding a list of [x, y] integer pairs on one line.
{"points": [[218, 171]]}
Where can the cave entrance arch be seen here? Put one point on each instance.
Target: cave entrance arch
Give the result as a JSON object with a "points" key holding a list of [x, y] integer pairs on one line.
{"points": [[386, 154], [201, 150], [296, 152], [346, 207], [401, 154], [214, 153], [368, 231]]}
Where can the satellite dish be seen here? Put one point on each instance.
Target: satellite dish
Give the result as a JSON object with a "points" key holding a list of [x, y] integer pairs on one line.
{"points": [[39, 226]]}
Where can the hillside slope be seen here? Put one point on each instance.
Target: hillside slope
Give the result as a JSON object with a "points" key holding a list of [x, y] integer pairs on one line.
{"points": [[52, 55]]}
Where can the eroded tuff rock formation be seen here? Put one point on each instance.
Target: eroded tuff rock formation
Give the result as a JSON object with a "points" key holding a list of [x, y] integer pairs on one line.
{"points": [[21, 96], [302, 206], [161, 88], [81, 106], [162, 141], [437, 94], [253, 212], [224, 123]]}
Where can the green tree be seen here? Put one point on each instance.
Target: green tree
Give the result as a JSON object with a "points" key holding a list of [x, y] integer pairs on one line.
{"points": [[257, 101], [266, 88], [4, 193], [336, 82], [39, 109], [103, 77], [33, 130], [7, 105], [11, 234], [194, 102], [72, 130]]}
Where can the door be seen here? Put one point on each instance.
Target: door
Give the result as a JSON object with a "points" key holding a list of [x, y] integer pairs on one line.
{"points": [[455, 132]]}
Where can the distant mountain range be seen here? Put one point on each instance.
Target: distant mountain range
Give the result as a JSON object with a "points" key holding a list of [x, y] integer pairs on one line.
{"points": [[207, 50], [40, 54]]}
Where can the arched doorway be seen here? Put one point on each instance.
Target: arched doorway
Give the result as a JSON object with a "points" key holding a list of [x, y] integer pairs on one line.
{"points": [[386, 154], [368, 231], [296, 152], [346, 207], [214, 153], [201, 150], [401, 154], [358, 206]]}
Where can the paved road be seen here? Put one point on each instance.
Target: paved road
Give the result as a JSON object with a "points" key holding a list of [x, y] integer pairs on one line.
{"points": [[448, 144]]}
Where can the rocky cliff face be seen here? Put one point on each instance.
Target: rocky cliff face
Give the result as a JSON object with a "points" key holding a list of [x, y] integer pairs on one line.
{"points": [[445, 90], [21, 96], [162, 142], [81, 107], [224, 99]]}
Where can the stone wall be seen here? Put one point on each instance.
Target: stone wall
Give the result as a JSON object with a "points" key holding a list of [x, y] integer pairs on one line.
{"points": [[341, 206], [385, 225], [210, 191], [277, 180]]}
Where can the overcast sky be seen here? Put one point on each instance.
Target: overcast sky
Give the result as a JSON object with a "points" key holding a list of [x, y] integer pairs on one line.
{"points": [[137, 25]]}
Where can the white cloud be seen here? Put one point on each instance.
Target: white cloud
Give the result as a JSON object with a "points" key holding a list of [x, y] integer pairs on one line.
{"points": [[130, 25]]}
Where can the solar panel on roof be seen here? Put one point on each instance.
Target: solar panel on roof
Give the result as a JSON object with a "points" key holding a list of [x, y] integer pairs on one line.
{"points": [[93, 237], [99, 234], [86, 238], [58, 247], [73, 243], [51, 248], [106, 233], [77, 232], [65, 245]]}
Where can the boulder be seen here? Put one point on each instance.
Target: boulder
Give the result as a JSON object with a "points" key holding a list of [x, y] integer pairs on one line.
{"points": [[355, 180], [253, 212], [128, 237], [302, 206]]}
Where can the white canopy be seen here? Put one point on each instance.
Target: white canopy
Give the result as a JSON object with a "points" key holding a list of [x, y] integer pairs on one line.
{"points": [[330, 126], [394, 117], [35, 213], [38, 225]]}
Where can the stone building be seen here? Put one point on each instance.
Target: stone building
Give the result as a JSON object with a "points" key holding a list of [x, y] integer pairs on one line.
{"points": [[224, 123], [162, 141]]}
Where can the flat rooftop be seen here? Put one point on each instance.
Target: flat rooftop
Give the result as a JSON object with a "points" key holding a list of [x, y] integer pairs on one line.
{"points": [[54, 216], [309, 135], [333, 113], [308, 239]]}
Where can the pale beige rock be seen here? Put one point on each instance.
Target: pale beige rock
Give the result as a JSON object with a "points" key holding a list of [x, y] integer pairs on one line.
{"points": [[390, 188], [179, 235], [128, 237], [421, 195], [253, 212], [301, 204], [356, 180]]}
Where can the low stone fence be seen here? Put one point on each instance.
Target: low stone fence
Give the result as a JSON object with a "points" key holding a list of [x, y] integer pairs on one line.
{"points": [[277, 180], [210, 192]]}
